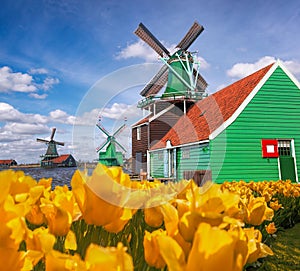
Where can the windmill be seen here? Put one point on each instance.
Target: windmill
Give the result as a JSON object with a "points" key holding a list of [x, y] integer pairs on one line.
{"points": [[179, 70], [51, 150], [110, 157]]}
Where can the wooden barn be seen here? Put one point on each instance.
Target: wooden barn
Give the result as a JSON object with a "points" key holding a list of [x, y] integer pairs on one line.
{"points": [[247, 131], [8, 163], [64, 160]]}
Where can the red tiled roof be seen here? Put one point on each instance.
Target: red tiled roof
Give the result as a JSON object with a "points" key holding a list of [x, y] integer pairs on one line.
{"points": [[6, 162], [60, 158], [209, 114]]}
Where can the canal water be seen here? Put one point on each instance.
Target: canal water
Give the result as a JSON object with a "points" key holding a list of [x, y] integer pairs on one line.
{"points": [[60, 176]]}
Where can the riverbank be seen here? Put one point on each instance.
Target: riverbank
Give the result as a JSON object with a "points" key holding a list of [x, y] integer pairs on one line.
{"points": [[25, 166]]}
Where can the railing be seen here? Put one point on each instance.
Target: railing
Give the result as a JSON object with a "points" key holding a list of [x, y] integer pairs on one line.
{"points": [[188, 95]]}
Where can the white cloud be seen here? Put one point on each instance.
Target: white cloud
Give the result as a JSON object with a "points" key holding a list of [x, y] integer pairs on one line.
{"points": [[120, 111], [241, 70], [38, 71], [61, 117], [38, 96], [10, 114], [24, 82], [15, 81], [203, 63], [25, 128], [293, 67], [139, 49], [48, 83]]}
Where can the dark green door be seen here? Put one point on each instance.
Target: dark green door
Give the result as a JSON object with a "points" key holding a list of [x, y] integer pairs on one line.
{"points": [[286, 160]]}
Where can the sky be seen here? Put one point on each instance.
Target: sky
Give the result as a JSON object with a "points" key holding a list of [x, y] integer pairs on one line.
{"points": [[65, 63]]}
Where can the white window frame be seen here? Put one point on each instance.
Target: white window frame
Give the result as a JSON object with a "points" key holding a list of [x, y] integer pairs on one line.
{"points": [[138, 133]]}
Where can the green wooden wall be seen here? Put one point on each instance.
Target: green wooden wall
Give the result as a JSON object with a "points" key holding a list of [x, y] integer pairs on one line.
{"points": [[274, 112], [157, 164], [194, 157]]}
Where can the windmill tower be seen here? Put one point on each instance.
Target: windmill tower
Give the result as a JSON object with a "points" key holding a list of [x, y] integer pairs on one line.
{"points": [[184, 87], [110, 157], [51, 152]]}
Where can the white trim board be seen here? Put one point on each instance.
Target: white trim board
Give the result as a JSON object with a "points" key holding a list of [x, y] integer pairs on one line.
{"points": [[240, 109], [182, 145]]}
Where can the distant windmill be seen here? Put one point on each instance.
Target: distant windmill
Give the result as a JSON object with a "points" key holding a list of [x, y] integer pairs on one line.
{"points": [[110, 157], [51, 150]]}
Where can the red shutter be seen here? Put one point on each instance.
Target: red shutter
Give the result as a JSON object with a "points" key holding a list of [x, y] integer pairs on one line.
{"points": [[269, 148]]}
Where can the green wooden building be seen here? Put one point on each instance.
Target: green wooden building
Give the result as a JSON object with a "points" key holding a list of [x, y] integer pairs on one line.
{"points": [[249, 130]]}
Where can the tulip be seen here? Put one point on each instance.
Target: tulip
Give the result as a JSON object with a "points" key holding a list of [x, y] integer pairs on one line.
{"points": [[96, 210], [275, 205], [151, 248], [271, 229], [258, 211], [108, 259], [215, 249], [11, 259], [56, 260], [256, 249]]}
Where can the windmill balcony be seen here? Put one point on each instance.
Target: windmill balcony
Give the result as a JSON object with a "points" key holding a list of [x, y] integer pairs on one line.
{"points": [[175, 96]]}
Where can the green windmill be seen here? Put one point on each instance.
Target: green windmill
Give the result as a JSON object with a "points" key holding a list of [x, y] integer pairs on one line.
{"points": [[180, 71], [110, 156]]}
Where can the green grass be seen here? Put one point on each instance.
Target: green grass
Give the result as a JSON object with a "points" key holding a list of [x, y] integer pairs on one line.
{"points": [[286, 248]]}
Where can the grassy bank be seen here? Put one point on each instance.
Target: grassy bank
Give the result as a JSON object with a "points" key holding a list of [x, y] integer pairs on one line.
{"points": [[286, 248]]}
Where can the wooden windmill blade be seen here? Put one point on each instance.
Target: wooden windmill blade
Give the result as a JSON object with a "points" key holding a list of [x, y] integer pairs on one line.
{"points": [[152, 41], [102, 129], [52, 134], [116, 142], [156, 83], [190, 36], [42, 140], [99, 148], [59, 143], [119, 130]]}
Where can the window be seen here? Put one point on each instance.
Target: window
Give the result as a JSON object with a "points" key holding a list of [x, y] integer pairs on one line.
{"points": [[138, 133], [284, 148], [186, 154]]}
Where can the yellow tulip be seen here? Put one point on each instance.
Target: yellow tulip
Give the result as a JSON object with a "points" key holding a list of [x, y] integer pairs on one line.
{"points": [[151, 248], [190, 221], [108, 259], [35, 215], [153, 216], [171, 252], [12, 224], [11, 259], [70, 242], [95, 210], [256, 249], [271, 228], [258, 211], [40, 240], [275, 205], [58, 220], [57, 261], [214, 249]]}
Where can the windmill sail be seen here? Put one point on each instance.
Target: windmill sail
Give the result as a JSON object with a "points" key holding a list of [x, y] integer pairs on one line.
{"points": [[161, 78]]}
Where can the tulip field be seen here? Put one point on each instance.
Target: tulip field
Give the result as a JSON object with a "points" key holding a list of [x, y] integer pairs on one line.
{"points": [[141, 225]]}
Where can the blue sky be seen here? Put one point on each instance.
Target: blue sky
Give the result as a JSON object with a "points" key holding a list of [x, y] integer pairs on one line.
{"points": [[56, 55]]}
